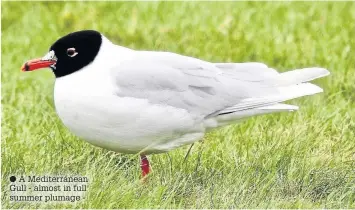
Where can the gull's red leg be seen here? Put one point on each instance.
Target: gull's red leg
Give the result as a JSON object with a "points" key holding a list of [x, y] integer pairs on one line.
{"points": [[145, 165]]}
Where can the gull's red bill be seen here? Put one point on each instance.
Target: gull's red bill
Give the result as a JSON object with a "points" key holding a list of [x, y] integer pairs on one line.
{"points": [[47, 61], [37, 63]]}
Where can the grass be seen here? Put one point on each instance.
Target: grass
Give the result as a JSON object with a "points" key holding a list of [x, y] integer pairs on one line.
{"points": [[304, 159]]}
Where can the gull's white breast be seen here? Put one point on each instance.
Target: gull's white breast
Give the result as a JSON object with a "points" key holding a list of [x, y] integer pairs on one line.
{"points": [[86, 104]]}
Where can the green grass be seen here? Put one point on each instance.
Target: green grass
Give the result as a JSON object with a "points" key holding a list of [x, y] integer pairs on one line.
{"points": [[304, 159]]}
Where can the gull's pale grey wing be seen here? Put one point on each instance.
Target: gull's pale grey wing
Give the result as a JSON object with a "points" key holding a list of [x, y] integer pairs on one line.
{"points": [[209, 89], [179, 81]]}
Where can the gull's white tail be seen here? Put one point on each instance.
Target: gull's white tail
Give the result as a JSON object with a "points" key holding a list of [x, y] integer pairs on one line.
{"points": [[299, 76], [275, 88]]}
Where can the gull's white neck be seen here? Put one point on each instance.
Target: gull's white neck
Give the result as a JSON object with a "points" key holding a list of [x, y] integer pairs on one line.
{"points": [[111, 54]]}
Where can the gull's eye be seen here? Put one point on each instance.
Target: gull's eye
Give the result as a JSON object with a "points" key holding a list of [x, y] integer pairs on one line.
{"points": [[71, 52]]}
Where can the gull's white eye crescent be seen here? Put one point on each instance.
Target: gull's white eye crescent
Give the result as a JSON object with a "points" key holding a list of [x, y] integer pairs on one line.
{"points": [[71, 52]]}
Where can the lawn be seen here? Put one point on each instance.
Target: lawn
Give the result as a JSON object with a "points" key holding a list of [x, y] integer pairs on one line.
{"points": [[304, 159]]}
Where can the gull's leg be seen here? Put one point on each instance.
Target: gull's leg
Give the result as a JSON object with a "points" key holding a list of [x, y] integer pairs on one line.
{"points": [[145, 165]]}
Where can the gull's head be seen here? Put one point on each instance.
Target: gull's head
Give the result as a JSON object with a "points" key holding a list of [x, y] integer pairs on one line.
{"points": [[69, 53]]}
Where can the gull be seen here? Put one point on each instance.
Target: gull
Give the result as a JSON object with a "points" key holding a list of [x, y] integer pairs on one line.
{"points": [[145, 102]]}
